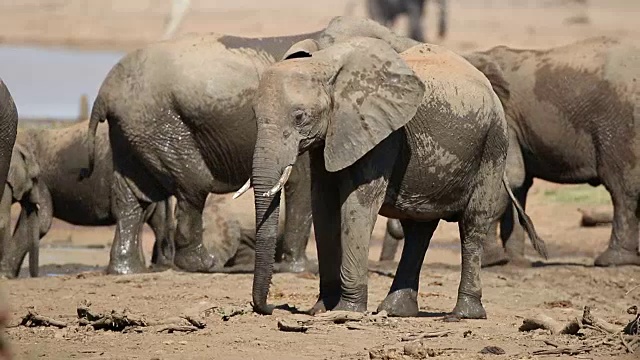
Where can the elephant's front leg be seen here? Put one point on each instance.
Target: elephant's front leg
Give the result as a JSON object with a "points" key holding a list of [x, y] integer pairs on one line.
{"points": [[126, 248], [325, 204], [191, 254], [361, 195], [298, 219], [402, 299]]}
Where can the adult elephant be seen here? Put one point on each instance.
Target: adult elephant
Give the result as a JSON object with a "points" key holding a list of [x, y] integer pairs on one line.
{"points": [[386, 12], [44, 179], [574, 117], [418, 136], [181, 123], [8, 130]]}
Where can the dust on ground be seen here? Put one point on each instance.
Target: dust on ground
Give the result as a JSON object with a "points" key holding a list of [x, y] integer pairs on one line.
{"points": [[559, 287]]}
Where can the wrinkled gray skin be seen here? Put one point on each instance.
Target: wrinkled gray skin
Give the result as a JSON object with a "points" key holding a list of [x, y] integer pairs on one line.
{"points": [[574, 117], [181, 124], [418, 136], [44, 179], [386, 12], [8, 131]]}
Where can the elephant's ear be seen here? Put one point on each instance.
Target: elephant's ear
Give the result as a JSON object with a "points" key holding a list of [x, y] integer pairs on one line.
{"points": [[23, 171], [300, 49], [375, 93], [493, 72]]}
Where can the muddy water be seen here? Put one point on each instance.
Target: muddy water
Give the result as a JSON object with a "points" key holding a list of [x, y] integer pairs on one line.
{"points": [[48, 82]]}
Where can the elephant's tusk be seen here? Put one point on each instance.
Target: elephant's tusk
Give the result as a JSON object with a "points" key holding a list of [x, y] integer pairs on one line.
{"points": [[243, 189], [283, 180]]}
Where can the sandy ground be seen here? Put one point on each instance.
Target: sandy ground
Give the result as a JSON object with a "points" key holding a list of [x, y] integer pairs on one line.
{"points": [[559, 287]]}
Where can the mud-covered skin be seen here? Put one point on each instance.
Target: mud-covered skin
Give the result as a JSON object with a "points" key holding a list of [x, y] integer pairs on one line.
{"points": [[45, 170], [387, 11], [418, 136], [8, 131], [180, 112], [574, 115]]}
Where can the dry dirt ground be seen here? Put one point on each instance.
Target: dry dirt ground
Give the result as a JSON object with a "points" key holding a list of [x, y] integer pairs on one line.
{"points": [[559, 287]]}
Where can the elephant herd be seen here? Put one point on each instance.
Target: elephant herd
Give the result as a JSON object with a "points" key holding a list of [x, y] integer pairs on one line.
{"points": [[348, 122]]}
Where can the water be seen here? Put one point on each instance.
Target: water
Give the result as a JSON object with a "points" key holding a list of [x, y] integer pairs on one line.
{"points": [[48, 82]]}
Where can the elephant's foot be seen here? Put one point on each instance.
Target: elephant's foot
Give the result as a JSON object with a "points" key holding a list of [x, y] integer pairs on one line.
{"points": [[494, 256], [194, 259], [618, 257], [401, 303], [126, 266], [298, 266], [324, 304], [345, 305], [469, 307]]}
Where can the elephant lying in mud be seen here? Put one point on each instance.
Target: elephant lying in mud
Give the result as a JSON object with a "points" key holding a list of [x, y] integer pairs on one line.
{"points": [[574, 117], [387, 11], [181, 124], [419, 136], [44, 179]]}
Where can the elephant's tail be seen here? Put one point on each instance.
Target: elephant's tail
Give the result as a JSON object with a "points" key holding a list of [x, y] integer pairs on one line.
{"points": [[525, 221], [98, 114]]}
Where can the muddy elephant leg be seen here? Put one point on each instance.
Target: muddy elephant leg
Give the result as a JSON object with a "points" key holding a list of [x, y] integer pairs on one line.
{"points": [[623, 244], [129, 213], [392, 237], [162, 222], [298, 219], [191, 254], [325, 203], [362, 192], [5, 220], [402, 299]]}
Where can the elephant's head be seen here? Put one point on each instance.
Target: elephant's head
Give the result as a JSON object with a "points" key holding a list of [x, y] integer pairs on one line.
{"points": [[23, 175], [346, 98]]}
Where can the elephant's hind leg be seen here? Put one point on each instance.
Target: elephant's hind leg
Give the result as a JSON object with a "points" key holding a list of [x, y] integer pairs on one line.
{"points": [[623, 244], [126, 250], [402, 299]]}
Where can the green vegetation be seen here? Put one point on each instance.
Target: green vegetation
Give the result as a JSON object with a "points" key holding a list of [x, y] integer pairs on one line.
{"points": [[579, 194]]}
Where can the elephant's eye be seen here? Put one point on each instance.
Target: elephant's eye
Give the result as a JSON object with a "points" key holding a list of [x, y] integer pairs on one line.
{"points": [[299, 116]]}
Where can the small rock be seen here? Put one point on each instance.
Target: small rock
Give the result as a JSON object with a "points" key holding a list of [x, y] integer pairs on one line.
{"points": [[493, 350]]}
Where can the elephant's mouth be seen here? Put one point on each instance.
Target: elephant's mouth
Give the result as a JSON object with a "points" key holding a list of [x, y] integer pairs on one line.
{"points": [[274, 190]]}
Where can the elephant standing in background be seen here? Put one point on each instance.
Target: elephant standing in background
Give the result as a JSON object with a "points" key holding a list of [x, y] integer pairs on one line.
{"points": [[419, 136], [574, 117], [386, 12], [44, 179], [181, 123], [8, 130]]}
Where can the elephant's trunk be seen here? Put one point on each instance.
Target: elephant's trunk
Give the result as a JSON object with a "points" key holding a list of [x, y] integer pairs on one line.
{"points": [[98, 114], [269, 175]]}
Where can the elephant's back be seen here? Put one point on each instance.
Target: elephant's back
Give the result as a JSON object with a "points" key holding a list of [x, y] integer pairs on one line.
{"points": [[62, 153], [453, 85]]}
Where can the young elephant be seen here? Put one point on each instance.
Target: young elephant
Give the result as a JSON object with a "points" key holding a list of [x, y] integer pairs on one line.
{"points": [[574, 117], [44, 178], [418, 136]]}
